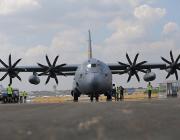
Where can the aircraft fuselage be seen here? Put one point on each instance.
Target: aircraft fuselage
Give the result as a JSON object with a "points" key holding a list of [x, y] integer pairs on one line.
{"points": [[93, 77]]}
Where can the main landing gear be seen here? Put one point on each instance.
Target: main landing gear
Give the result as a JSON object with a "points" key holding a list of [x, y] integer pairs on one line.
{"points": [[96, 97], [75, 94]]}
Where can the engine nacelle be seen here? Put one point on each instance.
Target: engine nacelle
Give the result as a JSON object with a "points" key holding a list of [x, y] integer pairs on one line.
{"points": [[34, 79], [149, 76]]}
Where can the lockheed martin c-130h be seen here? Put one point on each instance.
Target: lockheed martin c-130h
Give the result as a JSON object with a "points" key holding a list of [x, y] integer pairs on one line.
{"points": [[93, 77]]}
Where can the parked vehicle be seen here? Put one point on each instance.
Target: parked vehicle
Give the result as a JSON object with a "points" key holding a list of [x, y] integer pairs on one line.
{"points": [[14, 99]]}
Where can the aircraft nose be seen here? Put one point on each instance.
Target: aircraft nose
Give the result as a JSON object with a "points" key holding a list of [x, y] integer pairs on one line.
{"points": [[94, 82]]}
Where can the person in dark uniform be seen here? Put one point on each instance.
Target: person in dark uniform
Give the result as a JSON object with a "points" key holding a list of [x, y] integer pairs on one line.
{"points": [[121, 93], [114, 91]]}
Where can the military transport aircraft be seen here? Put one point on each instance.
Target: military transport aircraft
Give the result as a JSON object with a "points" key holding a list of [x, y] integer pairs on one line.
{"points": [[93, 77]]}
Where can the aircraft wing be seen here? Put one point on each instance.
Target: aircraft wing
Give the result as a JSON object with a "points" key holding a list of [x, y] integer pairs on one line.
{"points": [[133, 67], [115, 67], [67, 69]]}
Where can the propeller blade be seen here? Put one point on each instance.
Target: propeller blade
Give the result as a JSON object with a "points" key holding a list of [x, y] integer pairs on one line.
{"points": [[142, 71], [19, 78], [43, 66], [5, 75], [135, 59], [6, 66], [141, 63], [10, 64], [41, 74], [56, 79], [123, 64], [129, 60], [177, 59], [47, 59], [48, 79], [172, 59], [176, 74], [165, 60], [129, 78], [137, 76], [55, 60], [14, 65], [10, 80], [168, 75], [59, 66]]}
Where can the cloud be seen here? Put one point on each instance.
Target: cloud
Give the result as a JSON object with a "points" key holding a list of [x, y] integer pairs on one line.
{"points": [[10, 6], [146, 12], [170, 27], [125, 31]]}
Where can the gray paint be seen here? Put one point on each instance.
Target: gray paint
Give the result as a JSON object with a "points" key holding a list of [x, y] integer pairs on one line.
{"points": [[93, 76]]}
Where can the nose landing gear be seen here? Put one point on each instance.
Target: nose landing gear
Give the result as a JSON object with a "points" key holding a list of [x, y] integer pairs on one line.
{"points": [[94, 95]]}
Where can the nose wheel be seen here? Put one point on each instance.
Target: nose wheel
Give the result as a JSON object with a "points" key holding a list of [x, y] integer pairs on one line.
{"points": [[96, 97]]}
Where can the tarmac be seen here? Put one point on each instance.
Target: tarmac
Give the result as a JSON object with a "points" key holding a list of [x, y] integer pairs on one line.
{"points": [[157, 119]]}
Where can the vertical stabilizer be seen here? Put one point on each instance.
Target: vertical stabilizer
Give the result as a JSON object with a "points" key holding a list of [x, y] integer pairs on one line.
{"points": [[90, 47]]}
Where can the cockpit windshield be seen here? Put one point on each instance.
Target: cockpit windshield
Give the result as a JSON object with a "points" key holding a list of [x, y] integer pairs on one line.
{"points": [[91, 65]]}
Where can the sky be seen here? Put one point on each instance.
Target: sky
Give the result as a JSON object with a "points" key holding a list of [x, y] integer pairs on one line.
{"points": [[30, 29]]}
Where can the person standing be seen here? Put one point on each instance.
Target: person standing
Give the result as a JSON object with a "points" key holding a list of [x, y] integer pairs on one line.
{"points": [[10, 93], [118, 93], [21, 97], [25, 96], [149, 89], [114, 91], [121, 93]]}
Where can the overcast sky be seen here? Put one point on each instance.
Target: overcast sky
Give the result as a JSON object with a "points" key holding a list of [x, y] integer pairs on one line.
{"points": [[30, 29]]}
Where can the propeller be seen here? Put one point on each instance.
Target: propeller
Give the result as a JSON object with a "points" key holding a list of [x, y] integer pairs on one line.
{"points": [[133, 67], [51, 70], [10, 70], [173, 65]]}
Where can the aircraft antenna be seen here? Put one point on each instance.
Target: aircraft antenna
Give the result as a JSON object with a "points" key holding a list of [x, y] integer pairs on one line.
{"points": [[90, 46]]}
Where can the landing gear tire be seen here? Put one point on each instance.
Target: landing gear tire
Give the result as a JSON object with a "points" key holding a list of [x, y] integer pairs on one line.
{"points": [[91, 97], [16, 100], [97, 98], [109, 97], [75, 97], [5, 100]]}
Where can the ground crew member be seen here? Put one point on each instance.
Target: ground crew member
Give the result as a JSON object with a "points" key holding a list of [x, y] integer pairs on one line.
{"points": [[114, 91], [121, 93], [25, 96], [118, 93], [21, 97], [10, 93], [149, 89]]}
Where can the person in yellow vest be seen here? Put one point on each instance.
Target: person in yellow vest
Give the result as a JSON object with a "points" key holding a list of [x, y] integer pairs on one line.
{"points": [[10, 93], [25, 96], [149, 89]]}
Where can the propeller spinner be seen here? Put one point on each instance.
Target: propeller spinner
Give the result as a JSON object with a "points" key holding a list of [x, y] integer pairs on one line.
{"points": [[51, 70]]}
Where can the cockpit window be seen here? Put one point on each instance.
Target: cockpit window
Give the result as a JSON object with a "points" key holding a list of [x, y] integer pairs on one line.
{"points": [[91, 65]]}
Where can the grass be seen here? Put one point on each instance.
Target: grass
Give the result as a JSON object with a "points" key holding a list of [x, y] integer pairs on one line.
{"points": [[62, 99]]}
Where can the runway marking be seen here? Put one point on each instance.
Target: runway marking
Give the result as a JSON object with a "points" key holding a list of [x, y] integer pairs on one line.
{"points": [[86, 125], [127, 111], [95, 121]]}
